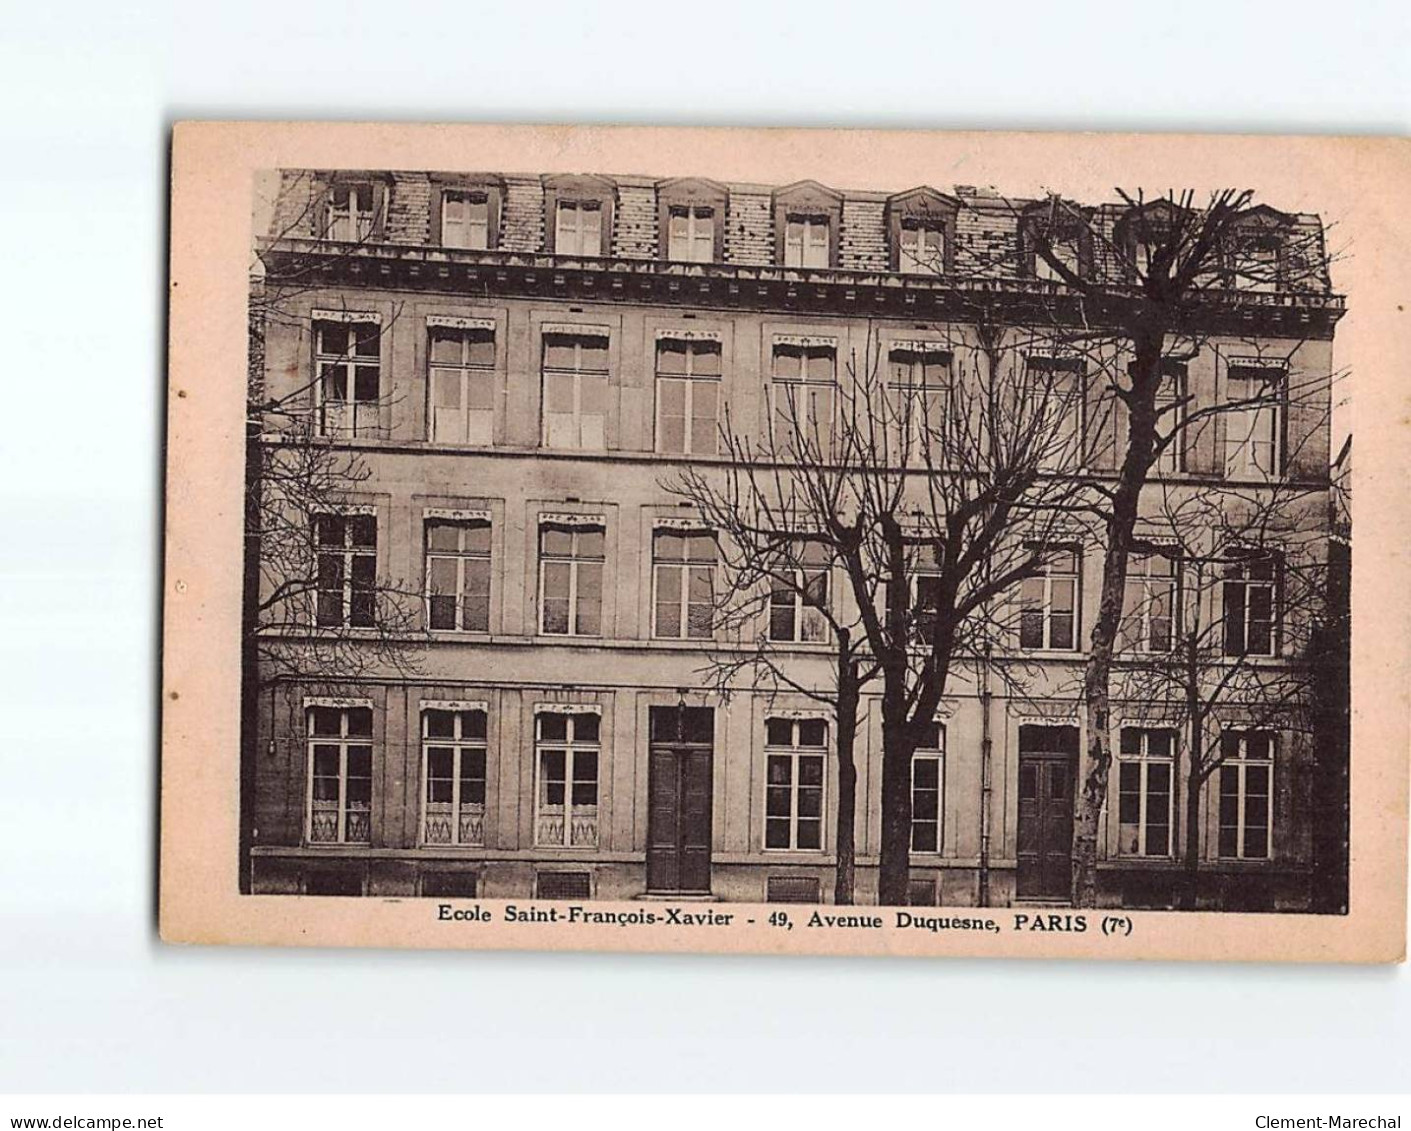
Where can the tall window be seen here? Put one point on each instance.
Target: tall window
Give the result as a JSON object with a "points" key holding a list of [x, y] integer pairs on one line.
{"points": [[683, 580], [1048, 603], [462, 363], [688, 397], [1250, 592], [453, 767], [1144, 795], [801, 395], [690, 233], [798, 595], [927, 791], [1058, 384], [806, 241], [793, 801], [1171, 407], [923, 247], [340, 775], [578, 228], [346, 550], [921, 377], [350, 212], [465, 219], [575, 391], [925, 592], [1246, 793], [347, 359], [571, 579], [1252, 421], [566, 802], [458, 575], [1151, 603]]}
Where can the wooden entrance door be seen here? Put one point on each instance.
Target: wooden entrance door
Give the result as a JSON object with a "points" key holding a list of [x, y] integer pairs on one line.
{"points": [[1047, 764], [679, 783]]}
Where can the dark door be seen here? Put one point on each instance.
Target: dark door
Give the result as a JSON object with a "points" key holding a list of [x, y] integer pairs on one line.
{"points": [[1047, 762], [679, 779]]}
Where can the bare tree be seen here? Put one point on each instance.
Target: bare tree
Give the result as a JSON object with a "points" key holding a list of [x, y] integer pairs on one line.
{"points": [[1225, 594], [314, 606], [1187, 274], [933, 482]]}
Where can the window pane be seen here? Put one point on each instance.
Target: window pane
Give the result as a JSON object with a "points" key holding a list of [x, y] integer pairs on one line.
{"points": [[778, 732], [813, 732], [553, 727]]}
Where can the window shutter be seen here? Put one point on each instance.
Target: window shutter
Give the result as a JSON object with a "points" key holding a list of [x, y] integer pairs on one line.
{"points": [[1102, 434]]}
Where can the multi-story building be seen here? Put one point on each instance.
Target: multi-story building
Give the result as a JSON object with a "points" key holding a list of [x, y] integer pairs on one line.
{"points": [[519, 362]]}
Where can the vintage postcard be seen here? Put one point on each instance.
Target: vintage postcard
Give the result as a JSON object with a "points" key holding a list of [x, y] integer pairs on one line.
{"points": [[787, 541]]}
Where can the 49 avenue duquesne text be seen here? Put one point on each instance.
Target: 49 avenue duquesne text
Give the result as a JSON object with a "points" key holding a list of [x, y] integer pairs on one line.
{"points": [[818, 919]]}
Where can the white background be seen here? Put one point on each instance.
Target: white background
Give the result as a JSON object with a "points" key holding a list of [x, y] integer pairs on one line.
{"points": [[89, 1000]]}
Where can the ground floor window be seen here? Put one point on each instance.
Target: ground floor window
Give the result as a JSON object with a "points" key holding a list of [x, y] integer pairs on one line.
{"points": [[1144, 794], [340, 775], [1246, 793], [566, 810], [793, 801], [927, 791], [453, 767]]}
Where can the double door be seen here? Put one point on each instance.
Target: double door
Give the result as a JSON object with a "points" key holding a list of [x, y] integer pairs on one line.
{"points": [[679, 786]]}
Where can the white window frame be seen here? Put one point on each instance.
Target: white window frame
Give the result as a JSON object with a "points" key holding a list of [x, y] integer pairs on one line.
{"points": [[348, 416], [458, 745], [1048, 576], [460, 556], [810, 389], [926, 254], [570, 233], [808, 249], [570, 746], [802, 610], [914, 390], [1148, 583], [1068, 251], [359, 224], [698, 242], [935, 754], [1247, 583], [1065, 440], [691, 381], [1144, 760], [343, 741], [1241, 766], [685, 568], [477, 425], [1253, 432], [578, 373], [349, 552], [573, 561], [796, 753], [476, 234]]}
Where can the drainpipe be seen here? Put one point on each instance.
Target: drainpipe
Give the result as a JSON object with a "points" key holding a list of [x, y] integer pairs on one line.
{"points": [[986, 746]]}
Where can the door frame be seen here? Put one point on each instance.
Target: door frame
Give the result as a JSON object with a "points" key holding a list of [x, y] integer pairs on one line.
{"points": [[678, 749], [1068, 758]]}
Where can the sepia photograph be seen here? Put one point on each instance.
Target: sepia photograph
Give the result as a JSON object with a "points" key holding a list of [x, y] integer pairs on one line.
{"points": [[677, 540], [847, 563]]}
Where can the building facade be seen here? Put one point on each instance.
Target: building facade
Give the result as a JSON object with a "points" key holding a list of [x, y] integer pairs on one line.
{"points": [[518, 364]]}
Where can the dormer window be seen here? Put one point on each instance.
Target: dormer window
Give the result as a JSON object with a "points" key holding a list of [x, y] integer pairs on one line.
{"points": [[579, 215], [1061, 229], [923, 247], [807, 217], [465, 213], [921, 226], [353, 210], [806, 240], [691, 217], [1145, 230], [1254, 250]]}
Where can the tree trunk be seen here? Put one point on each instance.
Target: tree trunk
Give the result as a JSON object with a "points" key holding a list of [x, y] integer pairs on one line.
{"points": [[894, 880], [845, 889], [1096, 759]]}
